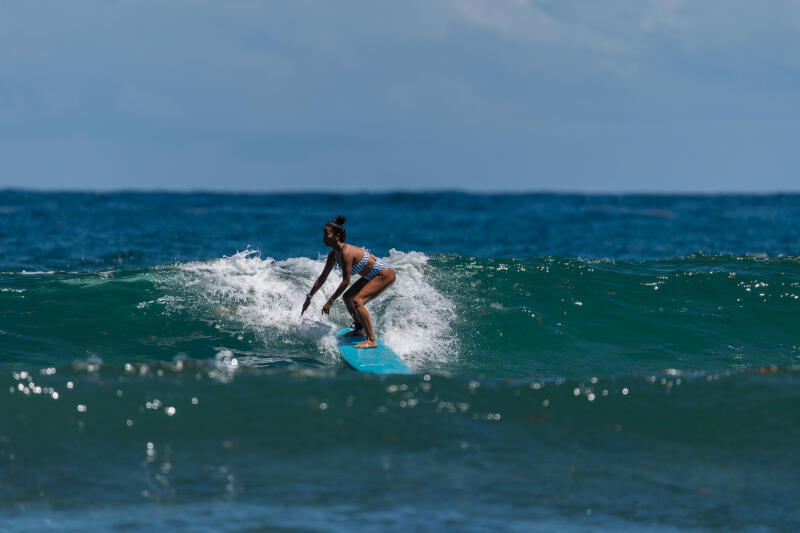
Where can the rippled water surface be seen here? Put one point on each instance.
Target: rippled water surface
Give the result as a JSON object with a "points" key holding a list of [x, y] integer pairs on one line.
{"points": [[581, 363]]}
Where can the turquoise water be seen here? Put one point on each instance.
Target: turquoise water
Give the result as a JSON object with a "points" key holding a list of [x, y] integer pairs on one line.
{"points": [[581, 363]]}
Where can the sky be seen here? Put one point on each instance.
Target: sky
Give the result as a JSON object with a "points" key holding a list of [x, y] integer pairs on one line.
{"points": [[477, 95]]}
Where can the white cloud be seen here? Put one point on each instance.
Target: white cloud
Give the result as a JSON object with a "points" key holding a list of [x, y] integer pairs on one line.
{"points": [[517, 18], [663, 13]]}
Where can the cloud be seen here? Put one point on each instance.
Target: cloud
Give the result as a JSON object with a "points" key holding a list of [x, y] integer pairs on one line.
{"points": [[517, 18], [663, 13], [623, 35]]}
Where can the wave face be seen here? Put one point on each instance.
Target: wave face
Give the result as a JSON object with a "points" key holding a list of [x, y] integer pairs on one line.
{"points": [[242, 305], [141, 387], [549, 317]]}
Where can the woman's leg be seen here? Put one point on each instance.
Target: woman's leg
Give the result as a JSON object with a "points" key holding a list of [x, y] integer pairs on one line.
{"points": [[348, 302], [372, 289]]}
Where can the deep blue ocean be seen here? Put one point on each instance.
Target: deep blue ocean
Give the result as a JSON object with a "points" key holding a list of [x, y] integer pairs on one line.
{"points": [[581, 363]]}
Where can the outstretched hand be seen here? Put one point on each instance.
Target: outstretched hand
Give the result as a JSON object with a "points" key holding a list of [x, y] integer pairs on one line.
{"points": [[305, 306], [326, 309]]}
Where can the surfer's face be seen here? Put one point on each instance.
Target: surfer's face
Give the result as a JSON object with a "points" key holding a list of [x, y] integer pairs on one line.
{"points": [[328, 237]]}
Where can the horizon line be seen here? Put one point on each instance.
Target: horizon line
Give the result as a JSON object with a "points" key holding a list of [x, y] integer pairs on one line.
{"points": [[465, 191]]}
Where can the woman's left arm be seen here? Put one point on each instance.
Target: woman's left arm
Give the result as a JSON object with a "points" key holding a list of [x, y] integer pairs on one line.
{"points": [[347, 267]]}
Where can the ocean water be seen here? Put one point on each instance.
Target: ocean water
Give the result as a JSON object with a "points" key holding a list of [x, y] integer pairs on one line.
{"points": [[582, 363]]}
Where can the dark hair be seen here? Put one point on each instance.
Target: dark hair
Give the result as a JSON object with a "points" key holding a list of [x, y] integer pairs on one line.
{"points": [[338, 227]]}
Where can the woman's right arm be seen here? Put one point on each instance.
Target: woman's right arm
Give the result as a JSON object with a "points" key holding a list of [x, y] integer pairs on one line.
{"points": [[320, 281]]}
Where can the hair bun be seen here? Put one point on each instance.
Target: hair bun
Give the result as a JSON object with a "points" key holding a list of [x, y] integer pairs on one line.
{"points": [[339, 220]]}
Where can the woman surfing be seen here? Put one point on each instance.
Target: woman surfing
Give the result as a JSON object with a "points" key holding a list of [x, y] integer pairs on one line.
{"points": [[376, 275]]}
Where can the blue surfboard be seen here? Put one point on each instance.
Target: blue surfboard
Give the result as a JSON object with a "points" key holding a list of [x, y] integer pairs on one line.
{"points": [[380, 360]]}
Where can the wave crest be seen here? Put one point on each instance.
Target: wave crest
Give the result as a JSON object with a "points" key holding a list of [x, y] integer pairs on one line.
{"points": [[265, 296]]}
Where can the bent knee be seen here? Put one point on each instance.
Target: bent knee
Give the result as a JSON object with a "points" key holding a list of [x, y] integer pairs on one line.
{"points": [[358, 301], [349, 295]]}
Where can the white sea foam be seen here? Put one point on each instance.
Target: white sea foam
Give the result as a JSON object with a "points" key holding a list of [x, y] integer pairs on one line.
{"points": [[265, 296]]}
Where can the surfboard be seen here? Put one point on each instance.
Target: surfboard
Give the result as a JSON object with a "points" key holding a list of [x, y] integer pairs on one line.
{"points": [[380, 360]]}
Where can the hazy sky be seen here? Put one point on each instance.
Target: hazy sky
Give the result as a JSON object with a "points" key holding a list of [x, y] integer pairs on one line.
{"points": [[659, 95]]}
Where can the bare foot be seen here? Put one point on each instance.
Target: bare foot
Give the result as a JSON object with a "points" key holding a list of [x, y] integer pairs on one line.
{"points": [[354, 333], [366, 344]]}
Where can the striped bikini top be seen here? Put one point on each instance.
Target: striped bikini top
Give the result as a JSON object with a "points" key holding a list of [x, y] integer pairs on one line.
{"points": [[358, 267]]}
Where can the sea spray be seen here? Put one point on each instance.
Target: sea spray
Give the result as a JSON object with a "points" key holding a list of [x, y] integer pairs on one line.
{"points": [[263, 296]]}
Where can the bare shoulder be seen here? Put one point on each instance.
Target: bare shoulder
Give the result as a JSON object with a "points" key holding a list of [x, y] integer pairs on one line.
{"points": [[350, 251]]}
